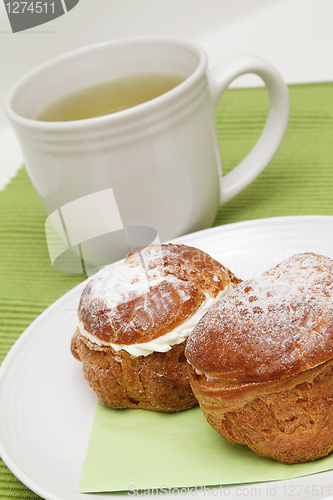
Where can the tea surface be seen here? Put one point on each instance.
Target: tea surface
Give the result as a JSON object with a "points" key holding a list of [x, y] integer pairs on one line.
{"points": [[110, 96]]}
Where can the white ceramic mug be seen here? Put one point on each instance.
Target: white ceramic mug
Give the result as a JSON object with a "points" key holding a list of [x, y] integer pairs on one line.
{"points": [[160, 160]]}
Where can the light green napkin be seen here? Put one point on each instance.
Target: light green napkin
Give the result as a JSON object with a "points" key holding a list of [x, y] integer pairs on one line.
{"points": [[132, 450]]}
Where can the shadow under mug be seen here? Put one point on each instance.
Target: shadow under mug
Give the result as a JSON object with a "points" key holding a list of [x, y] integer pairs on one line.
{"points": [[159, 162]]}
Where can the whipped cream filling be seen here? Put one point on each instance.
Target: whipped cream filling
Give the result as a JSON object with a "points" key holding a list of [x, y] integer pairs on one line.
{"points": [[165, 342], [208, 377]]}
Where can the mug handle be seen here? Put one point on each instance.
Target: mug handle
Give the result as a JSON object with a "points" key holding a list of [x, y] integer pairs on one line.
{"points": [[276, 124]]}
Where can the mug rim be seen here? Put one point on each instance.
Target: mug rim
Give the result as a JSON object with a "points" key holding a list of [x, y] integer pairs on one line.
{"points": [[133, 111]]}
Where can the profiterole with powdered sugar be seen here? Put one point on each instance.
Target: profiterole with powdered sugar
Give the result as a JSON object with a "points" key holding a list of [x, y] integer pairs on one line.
{"points": [[133, 322], [262, 361]]}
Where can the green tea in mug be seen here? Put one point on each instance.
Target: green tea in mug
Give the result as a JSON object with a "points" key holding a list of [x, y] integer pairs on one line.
{"points": [[110, 96]]}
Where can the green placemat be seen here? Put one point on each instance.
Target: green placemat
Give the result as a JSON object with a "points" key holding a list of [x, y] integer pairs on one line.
{"points": [[298, 181]]}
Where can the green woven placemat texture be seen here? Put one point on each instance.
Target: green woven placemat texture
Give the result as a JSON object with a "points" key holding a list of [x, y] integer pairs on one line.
{"points": [[298, 181]]}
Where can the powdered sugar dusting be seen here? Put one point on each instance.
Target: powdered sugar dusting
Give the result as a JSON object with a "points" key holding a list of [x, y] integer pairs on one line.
{"points": [[278, 324], [165, 342], [299, 283], [149, 293], [119, 283]]}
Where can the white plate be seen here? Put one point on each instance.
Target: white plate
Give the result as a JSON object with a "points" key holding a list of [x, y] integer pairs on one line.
{"points": [[47, 408]]}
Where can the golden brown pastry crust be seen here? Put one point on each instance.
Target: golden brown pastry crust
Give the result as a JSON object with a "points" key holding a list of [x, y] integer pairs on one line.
{"points": [[116, 308], [262, 361], [157, 382], [271, 327], [289, 420]]}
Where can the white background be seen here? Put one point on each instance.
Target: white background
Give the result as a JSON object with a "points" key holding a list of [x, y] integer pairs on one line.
{"points": [[296, 36]]}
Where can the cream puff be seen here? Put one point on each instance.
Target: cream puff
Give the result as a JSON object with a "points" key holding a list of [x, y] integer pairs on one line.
{"points": [[133, 321], [262, 361]]}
